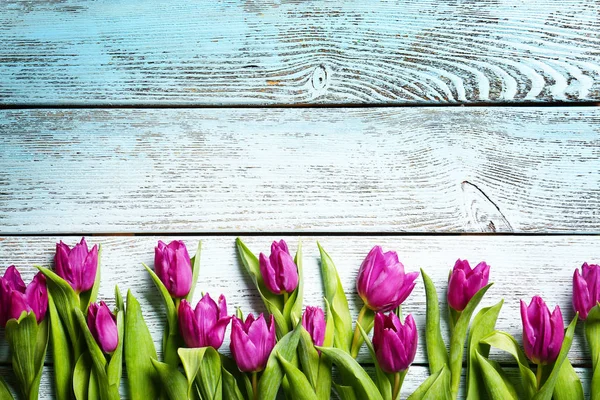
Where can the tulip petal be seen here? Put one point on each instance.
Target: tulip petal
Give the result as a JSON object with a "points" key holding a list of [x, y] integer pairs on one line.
{"points": [[106, 328], [37, 296], [13, 279]]}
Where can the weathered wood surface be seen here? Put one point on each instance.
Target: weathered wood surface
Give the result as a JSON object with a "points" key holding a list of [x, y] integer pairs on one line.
{"points": [[522, 266], [296, 52], [300, 170], [416, 375]]}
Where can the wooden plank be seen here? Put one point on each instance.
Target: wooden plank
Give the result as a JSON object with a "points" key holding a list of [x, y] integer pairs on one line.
{"points": [[234, 52], [522, 266], [416, 375], [300, 170]]}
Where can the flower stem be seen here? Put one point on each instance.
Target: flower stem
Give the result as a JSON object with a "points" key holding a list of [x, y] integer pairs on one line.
{"points": [[286, 296], [538, 376], [356, 341], [255, 385], [396, 389]]}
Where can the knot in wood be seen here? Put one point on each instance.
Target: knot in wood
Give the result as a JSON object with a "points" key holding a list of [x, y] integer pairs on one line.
{"points": [[319, 78]]}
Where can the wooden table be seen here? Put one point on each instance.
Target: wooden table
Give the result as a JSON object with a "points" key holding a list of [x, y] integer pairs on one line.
{"points": [[132, 121]]}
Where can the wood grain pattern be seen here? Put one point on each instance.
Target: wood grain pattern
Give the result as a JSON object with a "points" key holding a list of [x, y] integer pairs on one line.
{"points": [[300, 170], [522, 267], [298, 52]]}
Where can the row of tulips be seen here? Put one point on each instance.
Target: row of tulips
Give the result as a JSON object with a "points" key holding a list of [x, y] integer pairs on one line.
{"points": [[293, 348]]}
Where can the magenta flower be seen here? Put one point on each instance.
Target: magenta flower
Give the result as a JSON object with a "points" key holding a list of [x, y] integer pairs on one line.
{"points": [[395, 344], [173, 266], [382, 283], [313, 320], [279, 271], [543, 333], [252, 342], [103, 326], [465, 282], [15, 297], [586, 289], [78, 265], [204, 326]]}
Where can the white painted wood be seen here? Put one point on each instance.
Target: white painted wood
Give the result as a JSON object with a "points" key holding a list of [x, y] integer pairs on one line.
{"points": [[295, 52], [522, 266], [300, 170], [416, 375]]}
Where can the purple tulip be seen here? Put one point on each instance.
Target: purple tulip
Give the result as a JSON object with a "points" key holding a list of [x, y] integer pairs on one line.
{"points": [[15, 297], [543, 333], [173, 266], [204, 326], [252, 342], [103, 326], [586, 289], [465, 282], [382, 283], [313, 320], [279, 271], [395, 344], [78, 265]]}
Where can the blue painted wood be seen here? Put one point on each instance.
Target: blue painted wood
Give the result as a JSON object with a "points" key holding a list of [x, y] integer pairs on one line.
{"points": [[294, 52]]}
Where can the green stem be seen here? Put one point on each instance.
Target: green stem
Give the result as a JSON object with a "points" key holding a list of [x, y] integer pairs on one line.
{"points": [[538, 376], [356, 340], [286, 296], [255, 385], [396, 389]]}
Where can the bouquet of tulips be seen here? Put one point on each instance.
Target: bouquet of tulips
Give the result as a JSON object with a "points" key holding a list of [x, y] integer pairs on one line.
{"points": [[291, 350]]}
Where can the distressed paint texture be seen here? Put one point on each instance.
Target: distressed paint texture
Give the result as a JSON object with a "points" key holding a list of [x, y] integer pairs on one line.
{"points": [[296, 52], [300, 170]]}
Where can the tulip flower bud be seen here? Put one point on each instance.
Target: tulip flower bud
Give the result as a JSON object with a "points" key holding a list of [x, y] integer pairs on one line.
{"points": [[382, 283], [173, 266], [465, 282], [395, 344], [204, 326], [78, 265], [313, 320], [15, 297], [543, 333], [586, 289], [252, 342], [279, 271], [103, 326]]}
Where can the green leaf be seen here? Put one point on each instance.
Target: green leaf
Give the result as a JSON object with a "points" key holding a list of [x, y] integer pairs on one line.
{"points": [[173, 381], [269, 383], [363, 384], [191, 359], [483, 324], [139, 351], [94, 389], [231, 390], [88, 297], [328, 341], [115, 366], [345, 392], [495, 382], [309, 358], [435, 387], [209, 378], [61, 354], [366, 317], [505, 342], [334, 292], [273, 302], [119, 299], [96, 354], [592, 334], [195, 271], [81, 377], [22, 336], [65, 301], [545, 393], [459, 335], [4, 391], [323, 388], [167, 300], [299, 385], [436, 349], [383, 382], [292, 310], [568, 386]]}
